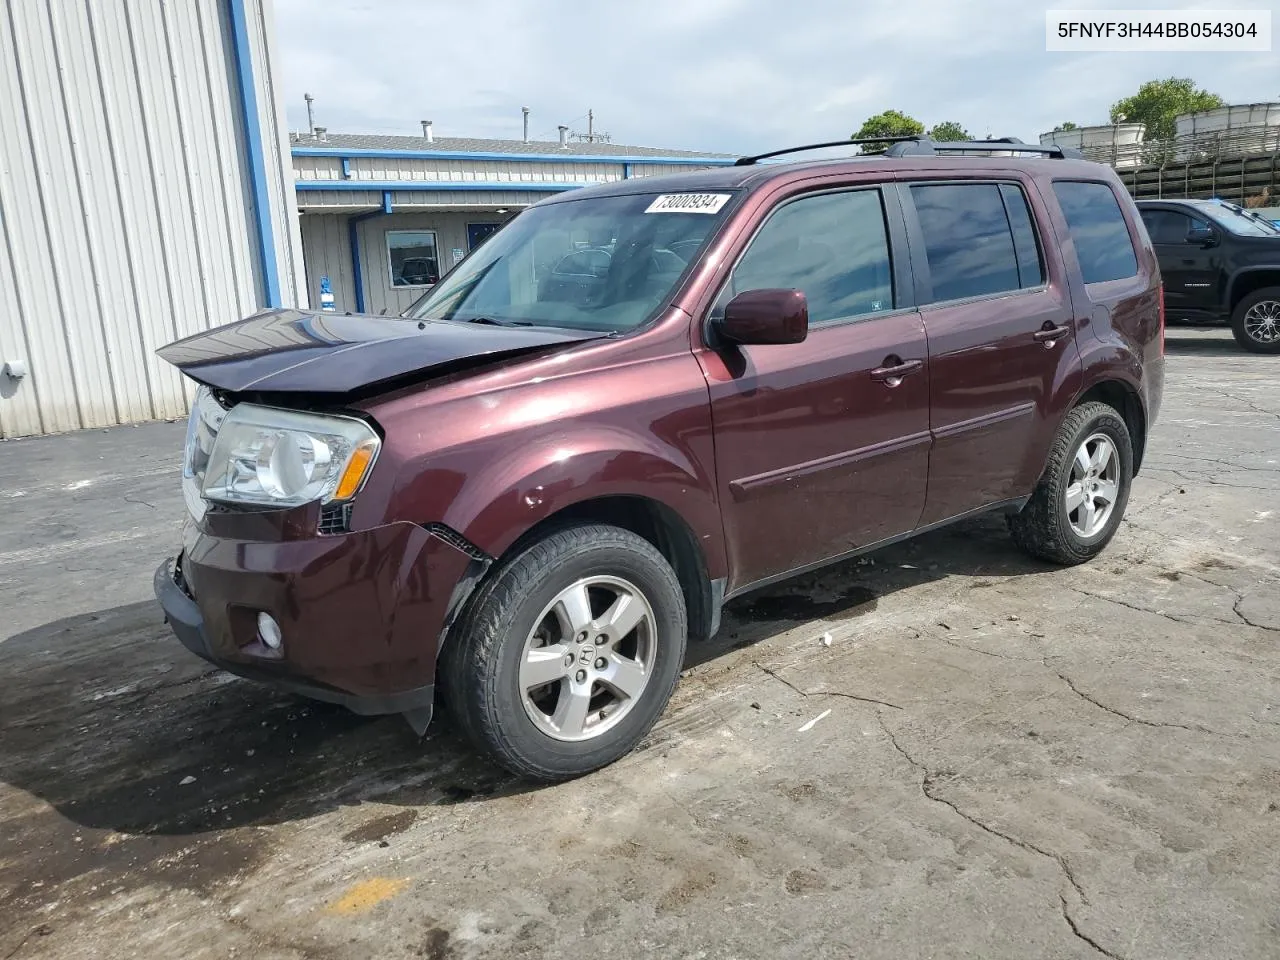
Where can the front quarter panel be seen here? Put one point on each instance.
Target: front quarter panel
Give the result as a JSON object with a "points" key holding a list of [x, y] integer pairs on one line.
{"points": [[491, 463]]}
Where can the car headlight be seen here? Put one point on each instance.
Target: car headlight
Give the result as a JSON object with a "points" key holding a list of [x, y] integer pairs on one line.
{"points": [[285, 458]]}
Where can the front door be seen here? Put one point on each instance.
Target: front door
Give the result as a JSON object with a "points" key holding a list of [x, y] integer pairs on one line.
{"points": [[1001, 338], [1189, 269], [820, 451]]}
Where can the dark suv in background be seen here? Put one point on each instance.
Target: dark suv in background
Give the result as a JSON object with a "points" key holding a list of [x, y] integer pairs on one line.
{"points": [[526, 494], [1221, 264]]}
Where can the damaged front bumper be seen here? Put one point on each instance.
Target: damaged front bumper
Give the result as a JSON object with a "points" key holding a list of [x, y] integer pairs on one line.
{"points": [[361, 614]]}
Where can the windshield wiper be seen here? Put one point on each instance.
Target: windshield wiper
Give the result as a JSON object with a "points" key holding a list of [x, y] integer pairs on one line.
{"points": [[494, 321]]}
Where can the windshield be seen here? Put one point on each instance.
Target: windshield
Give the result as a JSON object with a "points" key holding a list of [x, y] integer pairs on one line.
{"points": [[599, 263], [1241, 222]]}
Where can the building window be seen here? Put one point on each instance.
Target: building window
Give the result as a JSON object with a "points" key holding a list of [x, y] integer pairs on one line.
{"points": [[414, 261]]}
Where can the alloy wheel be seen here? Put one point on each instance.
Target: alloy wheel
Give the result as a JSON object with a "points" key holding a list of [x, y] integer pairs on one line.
{"points": [[588, 658], [1262, 322], [1094, 486]]}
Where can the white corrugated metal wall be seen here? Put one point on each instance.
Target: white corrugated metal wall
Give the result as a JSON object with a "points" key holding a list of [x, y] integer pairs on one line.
{"points": [[127, 205]]}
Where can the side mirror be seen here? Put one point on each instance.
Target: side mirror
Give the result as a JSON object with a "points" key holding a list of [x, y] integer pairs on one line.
{"points": [[765, 316], [1202, 236]]}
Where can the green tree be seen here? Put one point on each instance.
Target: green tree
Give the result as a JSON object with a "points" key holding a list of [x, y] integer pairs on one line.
{"points": [[891, 123], [1157, 102], [1069, 125], [949, 131]]}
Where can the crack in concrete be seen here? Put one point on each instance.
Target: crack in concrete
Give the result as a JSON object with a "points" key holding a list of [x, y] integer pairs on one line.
{"points": [[1225, 463], [1194, 728], [1193, 480], [1235, 607], [1133, 606], [1080, 934], [986, 653], [927, 780], [823, 693], [1248, 403], [1193, 620]]}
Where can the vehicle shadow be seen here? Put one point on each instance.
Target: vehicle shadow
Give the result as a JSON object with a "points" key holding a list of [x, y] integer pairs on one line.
{"points": [[979, 550], [106, 718]]}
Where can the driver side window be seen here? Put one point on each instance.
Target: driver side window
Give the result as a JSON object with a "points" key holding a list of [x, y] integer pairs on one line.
{"points": [[833, 247], [1170, 226]]}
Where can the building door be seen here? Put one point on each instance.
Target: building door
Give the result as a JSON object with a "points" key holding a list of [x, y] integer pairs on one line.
{"points": [[477, 233]]}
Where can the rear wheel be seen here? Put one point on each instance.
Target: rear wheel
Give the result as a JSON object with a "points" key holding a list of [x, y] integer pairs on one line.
{"points": [[1078, 504], [569, 653], [1255, 322]]}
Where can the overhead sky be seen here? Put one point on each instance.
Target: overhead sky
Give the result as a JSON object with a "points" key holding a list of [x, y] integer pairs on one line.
{"points": [[717, 75]]}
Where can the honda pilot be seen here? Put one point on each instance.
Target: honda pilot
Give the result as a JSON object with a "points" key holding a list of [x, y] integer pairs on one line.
{"points": [[639, 400]]}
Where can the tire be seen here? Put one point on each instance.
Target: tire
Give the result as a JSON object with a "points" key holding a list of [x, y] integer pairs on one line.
{"points": [[1046, 527], [516, 613], [1255, 322]]}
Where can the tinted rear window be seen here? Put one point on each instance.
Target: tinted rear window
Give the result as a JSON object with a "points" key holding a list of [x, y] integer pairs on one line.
{"points": [[1098, 229], [978, 239]]}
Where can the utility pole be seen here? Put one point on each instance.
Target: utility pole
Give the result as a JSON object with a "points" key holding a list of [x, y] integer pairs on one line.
{"points": [[311, 120], [591, 136]]}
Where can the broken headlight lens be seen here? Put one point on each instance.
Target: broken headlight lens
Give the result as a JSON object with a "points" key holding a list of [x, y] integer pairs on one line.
{"points": [[285, 458]]}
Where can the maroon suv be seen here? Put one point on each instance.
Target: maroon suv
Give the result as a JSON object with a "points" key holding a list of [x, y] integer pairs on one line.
{"points": [[641, 399]]}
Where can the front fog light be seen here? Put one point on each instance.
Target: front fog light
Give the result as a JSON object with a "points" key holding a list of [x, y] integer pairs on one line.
{"points": [[269, 631]]}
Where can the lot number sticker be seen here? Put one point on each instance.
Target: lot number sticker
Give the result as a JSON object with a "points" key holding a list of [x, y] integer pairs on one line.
{"points": [[688, 203]]}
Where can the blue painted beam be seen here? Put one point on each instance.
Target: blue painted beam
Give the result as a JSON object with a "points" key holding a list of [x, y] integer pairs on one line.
{"points": [[256, 160], [511, 157], [353, 240], [434, 185], [346, 167]]}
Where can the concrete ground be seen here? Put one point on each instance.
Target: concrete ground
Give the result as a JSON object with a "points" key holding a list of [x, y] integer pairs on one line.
{"points": [[991, 759]]}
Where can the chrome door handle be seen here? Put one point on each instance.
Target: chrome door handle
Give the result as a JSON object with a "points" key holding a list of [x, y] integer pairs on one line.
{"points": [[1049, 334], [894, 370]]}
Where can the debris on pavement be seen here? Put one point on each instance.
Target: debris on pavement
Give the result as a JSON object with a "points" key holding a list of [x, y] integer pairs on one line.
{"points": [[814, 722]]}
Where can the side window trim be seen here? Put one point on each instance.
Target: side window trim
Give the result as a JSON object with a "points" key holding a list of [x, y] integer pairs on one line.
{"points": [[899, 252], [1019, 251], [919, 256]]}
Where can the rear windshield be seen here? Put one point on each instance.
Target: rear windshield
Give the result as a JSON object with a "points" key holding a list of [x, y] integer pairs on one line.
{"points": [[599, 263], [1098, 230]]}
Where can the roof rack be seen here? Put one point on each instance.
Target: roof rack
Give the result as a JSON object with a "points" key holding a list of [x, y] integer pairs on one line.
{"points": [[748, 161], [923, 146]]}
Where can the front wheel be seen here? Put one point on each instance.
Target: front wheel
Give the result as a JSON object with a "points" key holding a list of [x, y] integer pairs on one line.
{"points": [[1255, 322], [568, 654], [1077, 506]]}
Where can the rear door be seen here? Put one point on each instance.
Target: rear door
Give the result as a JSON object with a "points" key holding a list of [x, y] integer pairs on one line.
{"points": [[997, 311], [822, 446], [1190, 271]]}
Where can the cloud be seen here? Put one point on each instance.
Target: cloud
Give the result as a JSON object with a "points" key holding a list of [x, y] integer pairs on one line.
{"points": [[717, 75]]}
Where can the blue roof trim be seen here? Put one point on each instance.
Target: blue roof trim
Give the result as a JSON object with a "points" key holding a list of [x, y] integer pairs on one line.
{"points": [[436, 185], [513, 157], [257, 160]]}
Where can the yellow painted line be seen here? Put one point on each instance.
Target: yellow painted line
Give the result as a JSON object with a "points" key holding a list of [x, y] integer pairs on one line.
{"points": [[366, 895]]}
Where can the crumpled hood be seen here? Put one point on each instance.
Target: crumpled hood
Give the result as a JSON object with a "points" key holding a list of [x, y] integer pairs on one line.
{"points": [[296, 351]]}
